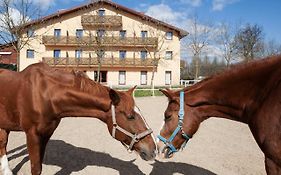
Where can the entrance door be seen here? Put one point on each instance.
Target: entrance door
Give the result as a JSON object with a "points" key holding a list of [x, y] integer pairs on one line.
{"points": [[103, 76]]}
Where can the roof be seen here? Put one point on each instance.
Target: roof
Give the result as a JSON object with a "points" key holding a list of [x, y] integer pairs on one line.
{"points": [[182, 33]]}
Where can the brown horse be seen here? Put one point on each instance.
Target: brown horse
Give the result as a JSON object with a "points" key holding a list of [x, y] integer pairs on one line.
{"points": [[36, 99], [249, 93]]}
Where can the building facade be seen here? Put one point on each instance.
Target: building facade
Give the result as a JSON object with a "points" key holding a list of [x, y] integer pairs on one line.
{"points": [[8, 55], [111, 43]]}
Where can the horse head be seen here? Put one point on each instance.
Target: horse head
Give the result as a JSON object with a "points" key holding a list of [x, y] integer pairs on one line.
{"points": [[180, 123], [127, 125]]}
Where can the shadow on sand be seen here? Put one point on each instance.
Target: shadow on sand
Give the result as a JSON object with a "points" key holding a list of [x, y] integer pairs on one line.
{"points": [[73, 159]]}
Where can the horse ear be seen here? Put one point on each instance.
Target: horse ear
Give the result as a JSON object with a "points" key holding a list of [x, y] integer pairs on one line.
{"points": [[114, 97], [130, 91], [167, 93]]}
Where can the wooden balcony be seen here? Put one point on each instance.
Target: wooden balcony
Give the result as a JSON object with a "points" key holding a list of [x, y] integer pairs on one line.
{"points": [[94, 41], [94, 62], [101, 21]]}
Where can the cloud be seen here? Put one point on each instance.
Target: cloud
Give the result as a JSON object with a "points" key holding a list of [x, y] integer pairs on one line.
{"points": [[180, 19], [218, 5], [194, 3], [44, 4], [164, 13], [15, 17]]}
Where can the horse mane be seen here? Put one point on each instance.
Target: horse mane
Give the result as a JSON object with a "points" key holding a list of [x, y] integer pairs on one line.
{"points": [[74, 79], [87, 85], [240, 68]]}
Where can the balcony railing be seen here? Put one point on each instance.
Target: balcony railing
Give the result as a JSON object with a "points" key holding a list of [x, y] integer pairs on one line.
{"points": [[94, 62], [97, 21], [90, 41]]}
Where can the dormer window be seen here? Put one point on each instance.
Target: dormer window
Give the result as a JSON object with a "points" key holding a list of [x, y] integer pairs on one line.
{"points": [[101, 12], [30, 33], [57, 32], [169, 35], [143, 34]]}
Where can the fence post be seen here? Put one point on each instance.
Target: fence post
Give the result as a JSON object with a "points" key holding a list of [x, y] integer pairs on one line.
{"points": [[153, 94]]}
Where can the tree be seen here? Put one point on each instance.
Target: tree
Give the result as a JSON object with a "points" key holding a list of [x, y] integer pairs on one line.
{"points": [[272, 48], [155, 53], [14, 15], [225, 39], [248, 42], [199, 38]]}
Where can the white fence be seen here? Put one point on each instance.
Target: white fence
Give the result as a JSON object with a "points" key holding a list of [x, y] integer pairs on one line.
{"points": [[186, 83], [183, 83]]}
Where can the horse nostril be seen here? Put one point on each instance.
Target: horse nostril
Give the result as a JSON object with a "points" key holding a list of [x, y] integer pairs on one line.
{"points": [[143, 154], [147, 156]]}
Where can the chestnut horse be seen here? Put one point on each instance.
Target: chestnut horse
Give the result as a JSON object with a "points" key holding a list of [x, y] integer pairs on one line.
{"points": [[249, 93], [36, 99]]}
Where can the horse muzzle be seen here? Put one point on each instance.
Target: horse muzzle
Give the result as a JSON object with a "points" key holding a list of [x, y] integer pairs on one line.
{"points": [[164, 152]]}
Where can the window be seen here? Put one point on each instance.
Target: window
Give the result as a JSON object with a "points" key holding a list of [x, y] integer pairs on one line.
{"points": [[122, 34], [122, 54], [143, 54], [122, 77], [143, 34], [143, 78], [78, 53], [169, 55], [169, 35], [79, 33], [57, 32], [30, 33], [100, 53], [29, 53], [56, 53], [168, 77], [101, 12], [101, 33]]}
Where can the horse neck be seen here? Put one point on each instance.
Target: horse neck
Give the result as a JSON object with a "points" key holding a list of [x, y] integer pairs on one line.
{"points": [[236, 95], [83, 100]]}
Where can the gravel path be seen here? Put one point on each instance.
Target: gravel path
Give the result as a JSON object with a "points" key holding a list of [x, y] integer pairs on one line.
{"points": [[84, 146]]}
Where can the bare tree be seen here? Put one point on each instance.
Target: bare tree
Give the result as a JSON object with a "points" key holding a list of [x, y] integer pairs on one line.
{"points": [[272, 48], [14, 14], [225, 39], [249, 42], [100, 36], [155, 47], [199, 38], [157, 54]]}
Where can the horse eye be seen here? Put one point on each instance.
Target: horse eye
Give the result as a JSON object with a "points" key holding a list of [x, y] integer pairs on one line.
{"points": [[168, 117], [131, 117]]}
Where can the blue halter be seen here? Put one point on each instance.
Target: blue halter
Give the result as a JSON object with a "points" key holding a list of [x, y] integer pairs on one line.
{"points": [[168, 142]]}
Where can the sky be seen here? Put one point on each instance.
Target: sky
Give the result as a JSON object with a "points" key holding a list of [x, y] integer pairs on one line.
{"points": [[265, 13]]}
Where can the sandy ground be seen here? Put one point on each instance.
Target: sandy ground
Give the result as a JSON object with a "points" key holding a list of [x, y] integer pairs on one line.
{"points": [[84, 146]]}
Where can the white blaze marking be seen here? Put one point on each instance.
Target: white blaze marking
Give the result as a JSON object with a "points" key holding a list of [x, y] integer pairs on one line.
{"points": [[5, 165]]}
